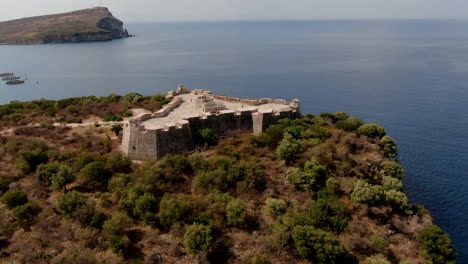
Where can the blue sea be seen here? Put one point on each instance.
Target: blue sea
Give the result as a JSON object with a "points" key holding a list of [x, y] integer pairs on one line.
{"points": [[409, 76]]}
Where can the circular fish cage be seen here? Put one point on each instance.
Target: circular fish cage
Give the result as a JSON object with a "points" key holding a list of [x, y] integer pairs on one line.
{"points": [[15, 82], [6, 74], [11, 78]]}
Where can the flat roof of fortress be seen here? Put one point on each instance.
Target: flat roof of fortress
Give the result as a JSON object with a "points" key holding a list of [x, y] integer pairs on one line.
{"points": [[189, 108]]}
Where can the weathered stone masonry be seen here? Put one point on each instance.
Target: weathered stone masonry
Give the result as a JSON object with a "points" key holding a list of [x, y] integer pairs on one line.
{"points": [[143, 142]]}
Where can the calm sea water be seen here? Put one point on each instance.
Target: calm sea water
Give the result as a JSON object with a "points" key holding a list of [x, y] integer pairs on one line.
{"points": [[409, 76]]}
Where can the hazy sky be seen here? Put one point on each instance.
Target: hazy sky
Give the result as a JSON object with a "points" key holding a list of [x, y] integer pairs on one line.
{"points": [[188, 10]]}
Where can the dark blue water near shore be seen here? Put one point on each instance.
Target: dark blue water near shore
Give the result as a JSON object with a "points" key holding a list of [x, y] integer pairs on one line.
{"points": [[409, 76]]}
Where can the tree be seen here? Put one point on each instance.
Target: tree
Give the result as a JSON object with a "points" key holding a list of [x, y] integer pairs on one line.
{"points": [[172, 210], [371, 130], [392, 169], [14, 199], [275, 207], [365, 193], [116, 129], [301, 180], [319, 246], [389, 146], [288, 148], [294, 127], [260, 259], [235, 212], [437, 245], [71, 201], [197, 238]]}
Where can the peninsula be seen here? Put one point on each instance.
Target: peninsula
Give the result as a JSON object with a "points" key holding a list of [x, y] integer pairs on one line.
{"points": [[93, 24]]}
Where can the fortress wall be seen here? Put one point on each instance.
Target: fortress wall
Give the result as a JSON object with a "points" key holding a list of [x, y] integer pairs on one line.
{"points": [[173, 139]]}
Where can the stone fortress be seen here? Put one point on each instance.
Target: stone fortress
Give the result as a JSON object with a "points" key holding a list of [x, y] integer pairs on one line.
{"points": [[175, 128]]}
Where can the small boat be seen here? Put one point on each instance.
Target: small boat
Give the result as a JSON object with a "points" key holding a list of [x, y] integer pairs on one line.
{"points": [[15, 82], [6, 74], [11, 78]]}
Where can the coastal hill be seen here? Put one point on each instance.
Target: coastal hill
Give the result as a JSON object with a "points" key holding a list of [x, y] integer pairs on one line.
{"points": [[311, 189], [94, 24]]}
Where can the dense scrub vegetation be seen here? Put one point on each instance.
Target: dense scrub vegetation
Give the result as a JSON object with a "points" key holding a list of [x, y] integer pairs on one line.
{"points": [[76, 110], [323, 189]]}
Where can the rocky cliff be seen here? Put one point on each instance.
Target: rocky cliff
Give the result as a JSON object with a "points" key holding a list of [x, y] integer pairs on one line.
{"points": [[95, 24]]}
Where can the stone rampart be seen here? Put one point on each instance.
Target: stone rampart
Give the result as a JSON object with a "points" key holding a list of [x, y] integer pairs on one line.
{"points": [[142, 143]]}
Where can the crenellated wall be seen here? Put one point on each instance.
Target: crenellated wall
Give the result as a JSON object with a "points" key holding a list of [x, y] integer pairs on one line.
{"points": [[141, 143]]}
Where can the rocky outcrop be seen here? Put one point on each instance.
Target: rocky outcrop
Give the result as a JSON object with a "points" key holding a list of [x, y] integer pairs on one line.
{"points": [[95, 24]]}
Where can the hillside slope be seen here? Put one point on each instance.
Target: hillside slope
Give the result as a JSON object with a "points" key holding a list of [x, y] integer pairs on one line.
{"points": [[95, 24]]}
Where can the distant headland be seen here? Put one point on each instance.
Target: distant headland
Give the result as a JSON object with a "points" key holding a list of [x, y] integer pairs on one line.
{"points": [[93, 24]]}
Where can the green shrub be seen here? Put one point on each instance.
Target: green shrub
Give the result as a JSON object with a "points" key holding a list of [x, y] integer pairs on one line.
{"points": [[45, 171], [340, 116], [317, 132], [236, 212], [349, 124], [392, 169], [24, 212], [365, 193], [172, 210], [71, 201], [328, 116], [272, 136], [215, 180], [389, 146], [390, 183], [4, 183], [377, 259], [275, 207], [329, 213], [14, 199], [208, 136], [116, 224], [319, 246], [437, 245], [380, 244], [63, 177], [117, 163], [294, 127], [317, 170], [396, 199], [197, 238], [246, 175], [289, 148], [117, 243], [145, 207], [113, 118], [127, 113], [29, 160], [260, 259], [371, 130], [116, 129], [98, 219], [301, 180], [196, 161], [95, 172]]}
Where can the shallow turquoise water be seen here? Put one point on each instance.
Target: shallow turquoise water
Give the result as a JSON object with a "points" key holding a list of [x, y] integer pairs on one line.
{"points": [[409, 76]]}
